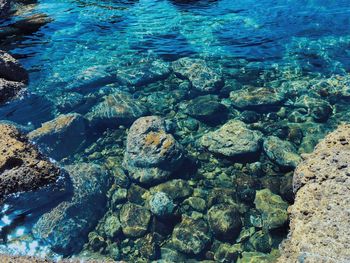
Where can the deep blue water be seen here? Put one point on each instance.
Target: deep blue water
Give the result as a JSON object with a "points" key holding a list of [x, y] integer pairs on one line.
{"points": [[258, 43]]}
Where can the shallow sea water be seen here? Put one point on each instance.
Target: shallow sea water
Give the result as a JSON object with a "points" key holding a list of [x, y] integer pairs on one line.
{"points": [[298, 48]]}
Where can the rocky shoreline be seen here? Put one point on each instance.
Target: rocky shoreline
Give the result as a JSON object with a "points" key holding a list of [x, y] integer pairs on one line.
{"points": [[319, 217]]}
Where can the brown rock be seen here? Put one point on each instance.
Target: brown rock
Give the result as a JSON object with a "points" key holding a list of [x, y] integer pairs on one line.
{"points": [[320, 217], [22, 167]]}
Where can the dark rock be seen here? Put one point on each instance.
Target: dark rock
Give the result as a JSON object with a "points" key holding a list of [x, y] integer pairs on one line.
{"points": [[202, 78], [10, 69], [62, 136], [10, 90], [225, 221], [134, 220], [152, 154], [261, 241], [206, 108], [66, 227], [191, 236], [320, 110], [227, 253], [31, 23]]}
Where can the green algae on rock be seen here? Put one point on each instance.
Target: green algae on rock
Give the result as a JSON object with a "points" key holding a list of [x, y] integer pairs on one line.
{"points": [[191, 236], [134, 220], [272, 207]]}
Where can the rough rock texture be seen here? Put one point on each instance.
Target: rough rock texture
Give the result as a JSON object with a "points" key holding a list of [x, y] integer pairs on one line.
{"points": [[252, 98], [281, 152], [151, 153], [66, 226], [202, 78], [233, 139], [191, 236], [61, 136], [134, 220], [320, 217], [13, 77], [22, 167], [116, 109]]}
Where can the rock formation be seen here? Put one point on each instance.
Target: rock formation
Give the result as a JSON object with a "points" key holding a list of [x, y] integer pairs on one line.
{"points": [[320, 217]]}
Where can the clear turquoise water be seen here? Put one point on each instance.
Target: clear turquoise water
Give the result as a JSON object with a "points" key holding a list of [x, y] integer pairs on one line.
{"points": [[258, 43]]}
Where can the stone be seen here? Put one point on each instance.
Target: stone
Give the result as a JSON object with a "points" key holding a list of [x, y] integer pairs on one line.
{"points": [[257, 98], [147, 247], [176, 189], [31, 23], [134, 220], [10, 68], [227, 253], [281, 152], [22, 166], [116, 109], [13, 77], [65, 228], [320, 110], [202, 78], [62, 136], [225, 221], [233, 139], [152, 154], [10, 90], [112, 226], [206, 108], [319, 217], [272, 208], [196, 203], [191, 236], [143, 72], [161, 205], [261, 241]]}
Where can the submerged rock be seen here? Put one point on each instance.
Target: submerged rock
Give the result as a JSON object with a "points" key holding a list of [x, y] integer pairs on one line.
{"points": [[320, 110], [225, 221], [116, 109], [161, 204], [134, 220], [66, 227], [62, 136], [227, 253], [22, 167], [152, 154], [256, 257], [202, 78], [256, 98], [10, 68], [319, 217], [10, 89], [272, 207], [176, 189], [31, 23], [191, 236], [13, 77], [233, 139], [143, 72], [281, 152], [206, 108]]}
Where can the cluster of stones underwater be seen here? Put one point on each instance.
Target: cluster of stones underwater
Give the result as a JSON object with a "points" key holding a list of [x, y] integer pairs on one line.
{"points": [[211, 180], [222, 190]]}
